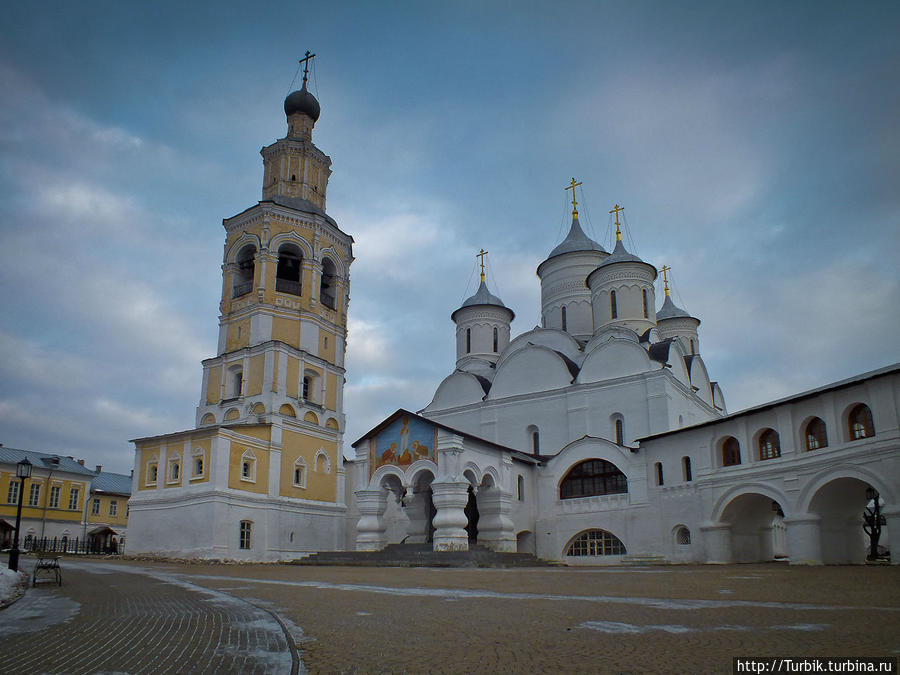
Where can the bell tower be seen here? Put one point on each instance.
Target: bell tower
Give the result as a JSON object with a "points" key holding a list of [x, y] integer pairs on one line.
{"points": [[285, 292]]}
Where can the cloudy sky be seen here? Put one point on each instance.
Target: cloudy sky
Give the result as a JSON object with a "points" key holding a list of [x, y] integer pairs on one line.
{"points": [[755, 147]]}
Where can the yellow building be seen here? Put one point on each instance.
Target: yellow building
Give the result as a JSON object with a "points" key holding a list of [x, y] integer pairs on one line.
{"points": [[53, 498], [106, 512], [261, 475]]}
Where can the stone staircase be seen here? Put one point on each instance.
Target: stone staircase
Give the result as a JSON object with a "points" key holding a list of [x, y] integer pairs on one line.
{"points": [[422, 555], [639, 560]]}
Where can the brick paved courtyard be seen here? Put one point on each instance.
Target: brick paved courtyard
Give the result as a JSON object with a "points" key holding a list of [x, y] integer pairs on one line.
{"points": [[153, 617]]}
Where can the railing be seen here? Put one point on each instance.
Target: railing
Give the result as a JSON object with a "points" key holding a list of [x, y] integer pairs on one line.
{"points": [[89, 546], [287, 286], [242, 289]]}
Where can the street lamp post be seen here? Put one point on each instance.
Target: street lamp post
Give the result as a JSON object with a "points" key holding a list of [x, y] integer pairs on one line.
{"points": [[23, 471]]}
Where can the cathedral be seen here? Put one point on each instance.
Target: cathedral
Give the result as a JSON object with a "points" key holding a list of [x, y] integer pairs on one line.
{"points": [[597, 437]]}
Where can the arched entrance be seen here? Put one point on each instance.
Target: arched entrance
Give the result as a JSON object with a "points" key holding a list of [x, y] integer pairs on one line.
{"points": [[472, 516], [757, 528], [525, 542], [840, 505]]}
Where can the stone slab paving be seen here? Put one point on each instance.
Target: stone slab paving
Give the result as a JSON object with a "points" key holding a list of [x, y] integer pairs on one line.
{"points": [[688, 619]]}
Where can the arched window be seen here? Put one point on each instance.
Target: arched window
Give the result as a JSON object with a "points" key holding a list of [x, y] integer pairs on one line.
{"points": [[327, 287], [644, 303], [731, 452], [174, 469], [769, 444], [246, 532], [613, 308], [152, 471], [816, 434], [659, 473], [300, 473], [198, 464], [287, 274], [859, 423], [323, 461], [593, 477], [236, 387], [468, 340], [620, 431], [496, 340], [686, 469], [692, 345], [243, 276], [306, 388], [565, 324], [683, 536], [534, 436], [520, 488], [596, 542], [248, 466]]}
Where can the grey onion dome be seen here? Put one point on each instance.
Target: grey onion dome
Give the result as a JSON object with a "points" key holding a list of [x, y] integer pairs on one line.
{"points": [[301, 101], [619, 254], [670, 311], [484, 297], [576, 240]]}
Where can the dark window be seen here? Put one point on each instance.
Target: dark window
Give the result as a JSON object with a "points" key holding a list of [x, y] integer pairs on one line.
{"points": [[731, 452], [644, 299], [327, 287], [860, 422], [468, 340], [535, 441], [613, 309], [620, 432], [305, 388], [692, 346], [596, 542], [520, 491], [816, 434], [769, 444], [659, 474], [593, 477], [683, 536], [565, 324], [287, 274], [686, 465], [246, 530], [496, 340], [243, 275]]}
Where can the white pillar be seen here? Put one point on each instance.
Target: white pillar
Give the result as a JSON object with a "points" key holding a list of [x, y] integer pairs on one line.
{"points": [[892, 523], [495, 527], [417, 511], [450, 499], [717, 537], [370, 530], [804, 541]]}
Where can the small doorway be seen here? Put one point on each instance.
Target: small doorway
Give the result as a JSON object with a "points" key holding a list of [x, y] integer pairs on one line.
{"points": [[472, 517]]}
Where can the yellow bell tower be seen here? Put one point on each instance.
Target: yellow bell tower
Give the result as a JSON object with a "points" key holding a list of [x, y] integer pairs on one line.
{"points": [[285, 291]]}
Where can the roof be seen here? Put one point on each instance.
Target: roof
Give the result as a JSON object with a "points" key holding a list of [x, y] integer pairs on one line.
{"points": [[42, 460], [113, 483], [517, 454], [576, 240], [834, 386], [484, 297], [620, 254], [670, 311]]}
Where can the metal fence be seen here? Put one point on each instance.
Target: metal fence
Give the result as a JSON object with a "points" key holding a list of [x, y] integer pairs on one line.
{"points": [[76, 546]]}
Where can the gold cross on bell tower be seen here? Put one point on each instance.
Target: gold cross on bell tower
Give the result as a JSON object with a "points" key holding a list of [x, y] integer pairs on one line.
{"points": [[305, 63], [616, 211], [571, 186], [665, 269], [481, 255]]}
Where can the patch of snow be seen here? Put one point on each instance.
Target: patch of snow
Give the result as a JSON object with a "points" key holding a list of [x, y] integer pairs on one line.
{"points": [[12, 584]]}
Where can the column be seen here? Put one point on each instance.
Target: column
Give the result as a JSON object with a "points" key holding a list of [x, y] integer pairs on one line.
{"points": [[804, 542], [717, 537], [416, 507], [370, 530], [495, 527], [892, 524], [450, 498]]}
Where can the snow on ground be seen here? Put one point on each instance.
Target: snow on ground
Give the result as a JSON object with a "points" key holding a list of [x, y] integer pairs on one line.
{"points": [[12, 585]]}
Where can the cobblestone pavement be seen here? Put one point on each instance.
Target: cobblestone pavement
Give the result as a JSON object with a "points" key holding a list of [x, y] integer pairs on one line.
{"points": [[129, 619], [689, 619]]}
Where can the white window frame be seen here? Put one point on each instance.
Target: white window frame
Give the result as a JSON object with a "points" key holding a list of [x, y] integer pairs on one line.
{"points": [[113, 507], [12, 494], [35, 490], [153, 461], [249, 531], [74, 494], [55, 492], [300, 465], [321, 452], [250, 458], [95, 506], [195, 455], [174, 460]]}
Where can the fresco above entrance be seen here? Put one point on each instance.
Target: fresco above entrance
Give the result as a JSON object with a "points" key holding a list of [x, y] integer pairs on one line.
{"points": [[406, 440]]}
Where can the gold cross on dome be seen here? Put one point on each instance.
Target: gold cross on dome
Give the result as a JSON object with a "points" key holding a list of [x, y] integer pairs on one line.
{"points": [[571, 186], [481, 255], [665, 269], [616, 211]]}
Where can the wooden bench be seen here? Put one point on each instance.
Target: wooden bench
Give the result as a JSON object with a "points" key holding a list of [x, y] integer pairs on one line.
{"points": [[47, 567]]}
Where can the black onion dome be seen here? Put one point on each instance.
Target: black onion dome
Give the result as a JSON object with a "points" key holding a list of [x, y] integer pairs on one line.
{"points": [[302, 101]]}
